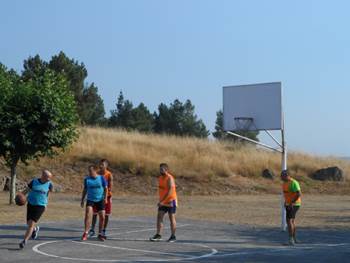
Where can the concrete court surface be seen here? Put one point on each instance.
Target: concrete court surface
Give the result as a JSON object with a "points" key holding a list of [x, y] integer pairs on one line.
{"points": [[197, 242]]}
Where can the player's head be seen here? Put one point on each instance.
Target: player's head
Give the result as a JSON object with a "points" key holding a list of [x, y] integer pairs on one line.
{"points": [[46, 175], [163, 168], [92, 170], [285, 176], [103, 164]]}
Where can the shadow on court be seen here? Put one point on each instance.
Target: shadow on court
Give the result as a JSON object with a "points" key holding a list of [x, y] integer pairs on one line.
{"points": [[198, 241]]}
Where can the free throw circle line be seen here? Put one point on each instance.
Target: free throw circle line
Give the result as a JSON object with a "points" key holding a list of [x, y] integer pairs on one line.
{"points": [[37, 250]]}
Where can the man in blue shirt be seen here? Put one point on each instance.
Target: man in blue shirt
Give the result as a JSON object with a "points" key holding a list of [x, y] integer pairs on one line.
{"points": [[39, 190], [95, 188]]}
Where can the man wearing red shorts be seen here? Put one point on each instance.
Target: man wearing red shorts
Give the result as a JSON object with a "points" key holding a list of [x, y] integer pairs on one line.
{"points": [[103, 165]]}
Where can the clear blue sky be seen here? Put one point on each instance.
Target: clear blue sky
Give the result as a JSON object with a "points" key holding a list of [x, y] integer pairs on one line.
{"points": [[156, 51]]}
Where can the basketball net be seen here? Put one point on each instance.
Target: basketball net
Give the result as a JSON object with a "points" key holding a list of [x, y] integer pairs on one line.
{"points": [[243, 123]]}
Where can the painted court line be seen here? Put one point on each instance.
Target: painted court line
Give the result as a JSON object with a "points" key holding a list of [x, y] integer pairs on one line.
{"points": [[134, 249], [144, 230], [181, 257]]}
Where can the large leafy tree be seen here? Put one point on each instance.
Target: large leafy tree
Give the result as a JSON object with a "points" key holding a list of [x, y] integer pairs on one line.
{"points": [[220, 134], [89, 104], [179, 119], [38, 118]]}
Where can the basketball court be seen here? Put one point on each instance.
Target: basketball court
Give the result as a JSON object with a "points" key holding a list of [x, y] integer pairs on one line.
{"points": [[197, 242]]}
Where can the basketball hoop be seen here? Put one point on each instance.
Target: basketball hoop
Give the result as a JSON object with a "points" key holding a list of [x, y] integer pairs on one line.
{"points": [[243, 123]]}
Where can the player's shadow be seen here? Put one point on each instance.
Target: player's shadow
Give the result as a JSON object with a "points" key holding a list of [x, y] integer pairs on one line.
{"points": [[9, 247], [306, 235]]}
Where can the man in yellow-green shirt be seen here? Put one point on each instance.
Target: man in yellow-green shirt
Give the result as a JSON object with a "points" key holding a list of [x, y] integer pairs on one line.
{"points": [[292, 202]]}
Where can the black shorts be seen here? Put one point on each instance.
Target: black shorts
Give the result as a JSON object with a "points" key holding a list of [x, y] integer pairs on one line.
{"points": [[34, 212], [97, 206], [291, 211], [167, 209]]}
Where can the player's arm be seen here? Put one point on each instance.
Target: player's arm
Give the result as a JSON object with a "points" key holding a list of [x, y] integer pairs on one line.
{"points": [[83, 195], [170, 187], [50, 190], [298, 195], [28, 188], [110, 183], [105, 189]]}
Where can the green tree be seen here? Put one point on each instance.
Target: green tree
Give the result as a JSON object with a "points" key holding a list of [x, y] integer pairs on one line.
{"points": [[179, 119], [130, 118], [38, 118], [89, 104], [92, 111], [220, 134]]}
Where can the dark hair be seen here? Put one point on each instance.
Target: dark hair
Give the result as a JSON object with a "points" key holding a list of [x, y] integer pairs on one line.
{"points": [[104, 161], [284, 173], [93, 166], [164, 165]]}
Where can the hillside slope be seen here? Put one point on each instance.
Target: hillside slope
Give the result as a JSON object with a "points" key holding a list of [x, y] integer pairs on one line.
{"points": [[200, 166]]}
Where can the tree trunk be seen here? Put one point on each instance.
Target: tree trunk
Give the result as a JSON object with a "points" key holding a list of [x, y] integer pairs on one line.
{"points": [[13, 183]]}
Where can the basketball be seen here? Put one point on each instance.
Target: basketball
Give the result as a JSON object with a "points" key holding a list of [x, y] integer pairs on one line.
{"points": [[20, 199]]}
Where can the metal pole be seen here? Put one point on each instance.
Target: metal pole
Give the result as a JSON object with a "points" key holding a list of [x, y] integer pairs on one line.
{"points": [[252, 141], [284, 167]]}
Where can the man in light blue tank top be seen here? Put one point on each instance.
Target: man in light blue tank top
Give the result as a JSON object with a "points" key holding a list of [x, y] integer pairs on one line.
{"points": [[95, 188], [39, 189]]}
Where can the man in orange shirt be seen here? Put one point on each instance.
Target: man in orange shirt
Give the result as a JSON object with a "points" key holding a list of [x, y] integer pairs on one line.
{"points": [[292, 196], [167, 202], [103, 165]]}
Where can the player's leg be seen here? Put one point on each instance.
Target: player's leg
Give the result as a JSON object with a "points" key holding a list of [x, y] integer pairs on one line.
{"points": [[172, 220], [33, 215], [160, 216], [101, 215], [295, 210], [87, 220], [29, 231], [93, 224], [108, 210], [289, 217]]}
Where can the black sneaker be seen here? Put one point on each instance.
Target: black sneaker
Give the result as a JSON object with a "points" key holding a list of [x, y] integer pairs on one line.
{"points": [[91, 233], [35, 232], [172, 239], [22, 244], [156, 238], [104, 234], [101, 237]]}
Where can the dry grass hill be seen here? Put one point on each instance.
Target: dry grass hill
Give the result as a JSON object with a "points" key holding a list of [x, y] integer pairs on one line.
{"points": [[200, 166]]}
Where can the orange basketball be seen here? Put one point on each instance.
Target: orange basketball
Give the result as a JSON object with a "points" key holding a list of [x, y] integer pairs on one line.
{"points": [[20, 199]]}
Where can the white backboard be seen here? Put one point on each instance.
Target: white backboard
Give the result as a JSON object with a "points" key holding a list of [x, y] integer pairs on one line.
{"points": [[261, 102]]}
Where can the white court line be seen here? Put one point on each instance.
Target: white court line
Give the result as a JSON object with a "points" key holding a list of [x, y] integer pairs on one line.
{"points": [[143, 230], [134, 249], [184, 257], [275, 250]]}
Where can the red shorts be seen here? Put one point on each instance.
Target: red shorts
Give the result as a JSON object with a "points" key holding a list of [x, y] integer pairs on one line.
{"points": [[108, 207]]}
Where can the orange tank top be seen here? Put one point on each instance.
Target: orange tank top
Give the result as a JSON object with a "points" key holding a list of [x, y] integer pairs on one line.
{"points": [[108, 177], [164, 189], [290, 192]]}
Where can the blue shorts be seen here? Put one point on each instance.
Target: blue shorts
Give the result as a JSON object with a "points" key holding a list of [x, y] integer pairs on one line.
{"points": [[168, 209]]}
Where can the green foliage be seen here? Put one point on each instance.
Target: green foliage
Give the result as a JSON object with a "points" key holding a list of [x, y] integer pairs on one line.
{"points": [[89, 104], [221, 135], [179, 119], [130, 118], [38, 116]]}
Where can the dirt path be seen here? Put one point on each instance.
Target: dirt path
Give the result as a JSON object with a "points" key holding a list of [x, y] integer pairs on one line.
{"points": [[253, 210]]}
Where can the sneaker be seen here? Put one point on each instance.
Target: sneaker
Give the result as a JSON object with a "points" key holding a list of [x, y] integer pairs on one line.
{"points": [[291, 242], [22, 244], [101, 237], [84, 237], [172, 239], [104, 234], [156, 238], [91, 233], [35, 232], [296, 241]]}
